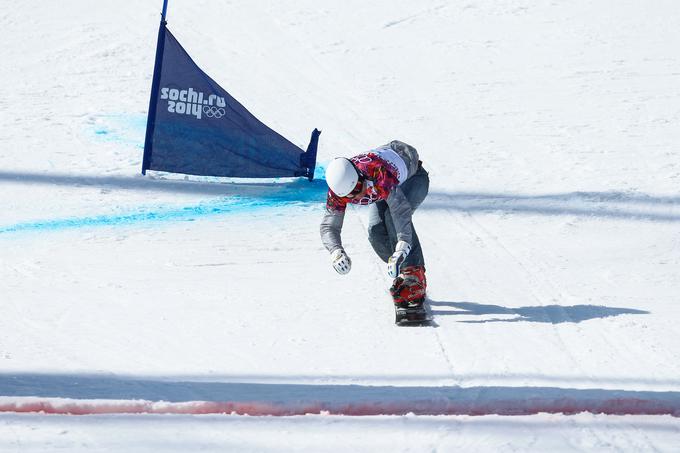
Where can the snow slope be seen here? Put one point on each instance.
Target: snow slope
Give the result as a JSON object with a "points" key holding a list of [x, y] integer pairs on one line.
{"points": [[550, 132]]}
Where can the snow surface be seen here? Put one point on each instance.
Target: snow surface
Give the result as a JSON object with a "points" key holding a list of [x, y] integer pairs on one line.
{"points": [[550, 131]]}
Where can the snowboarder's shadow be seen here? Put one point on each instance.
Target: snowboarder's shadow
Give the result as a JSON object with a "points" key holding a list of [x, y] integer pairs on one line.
{"points": [[554, 314]]}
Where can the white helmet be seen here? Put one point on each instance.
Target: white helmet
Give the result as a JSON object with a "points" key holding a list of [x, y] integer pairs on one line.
{"points": [[341, 176]]}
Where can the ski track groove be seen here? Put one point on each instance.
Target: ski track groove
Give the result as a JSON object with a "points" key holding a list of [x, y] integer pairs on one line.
{"points": [[470, 280], [476, 235], [534, 286], [550, 288], [645, 436], [553, 288], [445, 354], [442, 348]]}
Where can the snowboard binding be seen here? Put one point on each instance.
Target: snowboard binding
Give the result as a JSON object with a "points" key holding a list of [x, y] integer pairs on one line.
{"points": [[413, 315]]}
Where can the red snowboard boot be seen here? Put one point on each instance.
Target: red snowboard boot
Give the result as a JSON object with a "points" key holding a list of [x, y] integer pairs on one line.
{"points": [[409, 288]]}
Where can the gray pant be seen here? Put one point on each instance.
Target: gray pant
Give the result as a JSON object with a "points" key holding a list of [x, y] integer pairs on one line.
{"points": [[381, 232]]}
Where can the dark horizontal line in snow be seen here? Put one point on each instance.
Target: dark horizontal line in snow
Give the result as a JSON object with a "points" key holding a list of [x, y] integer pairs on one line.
{"points": [[278, 187], [81, 395], [237, 197]]}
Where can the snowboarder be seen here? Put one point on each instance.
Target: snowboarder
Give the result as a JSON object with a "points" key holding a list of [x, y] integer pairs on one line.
{"points": [[392, 180]]}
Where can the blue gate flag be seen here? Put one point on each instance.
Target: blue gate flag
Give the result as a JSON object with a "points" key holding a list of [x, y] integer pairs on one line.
{"points": [[195, 127]]}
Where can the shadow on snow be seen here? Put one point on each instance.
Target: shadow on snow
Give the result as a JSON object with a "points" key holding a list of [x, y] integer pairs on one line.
{"points": [[610, 204], [554, 314], [139, 395], [245, 195], [615, 205], [283, 189]]}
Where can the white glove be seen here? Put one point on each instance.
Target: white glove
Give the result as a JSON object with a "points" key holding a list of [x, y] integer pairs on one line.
{"points": [[341, 262], [401, 251]]}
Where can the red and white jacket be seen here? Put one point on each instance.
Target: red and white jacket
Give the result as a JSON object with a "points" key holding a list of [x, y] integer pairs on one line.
{"points": [[384, 169]]}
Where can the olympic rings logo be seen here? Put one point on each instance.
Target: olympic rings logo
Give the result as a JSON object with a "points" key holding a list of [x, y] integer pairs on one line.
{"points": [[371, 195], [366, 200], [362, 159], [213, 112]]}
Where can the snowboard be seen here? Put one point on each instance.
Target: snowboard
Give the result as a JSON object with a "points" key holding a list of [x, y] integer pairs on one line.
{"points": [[415, 316]]}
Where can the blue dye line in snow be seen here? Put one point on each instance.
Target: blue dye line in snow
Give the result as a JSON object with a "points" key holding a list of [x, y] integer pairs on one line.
{"points": [[298, 193], [186, 213], [159, 215]]}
